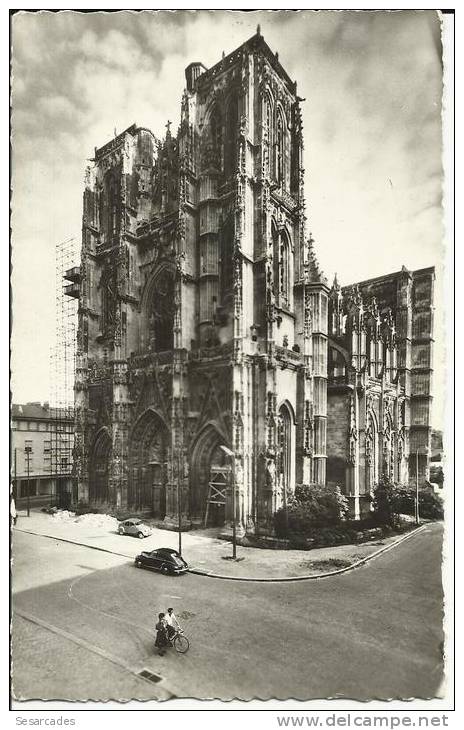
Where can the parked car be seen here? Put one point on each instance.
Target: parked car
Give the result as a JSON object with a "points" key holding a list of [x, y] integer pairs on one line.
{"points": [[135, 527], [166, 560]]}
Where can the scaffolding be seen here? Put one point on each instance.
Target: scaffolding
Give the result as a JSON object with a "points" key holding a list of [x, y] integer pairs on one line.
{"points": [[62, 371]]}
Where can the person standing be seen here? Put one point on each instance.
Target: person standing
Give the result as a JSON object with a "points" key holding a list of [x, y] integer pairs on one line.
{"points": [[14, 516], [162, 640]]}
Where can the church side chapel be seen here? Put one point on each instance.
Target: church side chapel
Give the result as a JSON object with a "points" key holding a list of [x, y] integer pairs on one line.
{"points": [[205, 321]]}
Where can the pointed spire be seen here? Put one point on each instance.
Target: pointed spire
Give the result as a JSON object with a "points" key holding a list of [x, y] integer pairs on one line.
{"points": [[258, 29], [314, 272], [355, 296], [374, 308], [335, 285]]}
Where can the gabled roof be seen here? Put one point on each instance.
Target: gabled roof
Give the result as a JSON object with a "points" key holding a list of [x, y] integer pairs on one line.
{"points": [[38, 412]]}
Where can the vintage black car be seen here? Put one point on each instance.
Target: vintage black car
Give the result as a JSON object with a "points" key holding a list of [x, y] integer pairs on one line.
{"points": [[166, 560]]}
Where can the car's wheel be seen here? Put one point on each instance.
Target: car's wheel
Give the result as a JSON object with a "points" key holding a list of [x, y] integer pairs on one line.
{"points": [[165, 570], [140, 534], [121, 530]]}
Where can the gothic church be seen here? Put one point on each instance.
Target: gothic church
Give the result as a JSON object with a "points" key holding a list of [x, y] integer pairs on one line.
{"points": [[205, 322]]}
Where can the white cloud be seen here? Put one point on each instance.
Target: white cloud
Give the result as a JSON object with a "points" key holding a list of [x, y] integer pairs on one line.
{"points": [[372, 83]]}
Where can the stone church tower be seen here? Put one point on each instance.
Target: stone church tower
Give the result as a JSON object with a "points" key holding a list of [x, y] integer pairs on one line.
{"points": [[202, 311], [204, 321]]}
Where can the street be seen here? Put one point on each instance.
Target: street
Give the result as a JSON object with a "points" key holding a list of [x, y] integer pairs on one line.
{"points": [[83, 628]]}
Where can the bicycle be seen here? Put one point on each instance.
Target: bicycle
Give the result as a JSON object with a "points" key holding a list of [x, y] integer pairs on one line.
{"points": [[180, 642]]}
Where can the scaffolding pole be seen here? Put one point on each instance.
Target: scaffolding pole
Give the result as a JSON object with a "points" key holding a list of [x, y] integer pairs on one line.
{"points": [[62, 372]]}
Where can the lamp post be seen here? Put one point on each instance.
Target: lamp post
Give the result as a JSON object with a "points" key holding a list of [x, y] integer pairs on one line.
{"points": [[15, 493], [417, 486], [179, 492], [28, 450], [228, 452]]}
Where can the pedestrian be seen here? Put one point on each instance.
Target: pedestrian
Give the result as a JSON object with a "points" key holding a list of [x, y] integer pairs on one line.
{"points": [[172, 623], [162, 640], [14, 516]]}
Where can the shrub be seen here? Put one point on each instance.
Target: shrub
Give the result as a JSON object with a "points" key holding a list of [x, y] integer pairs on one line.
{"points": [[436, 474], [326, 504], [384, 503], [405, 501], [430, 504], [310, 507]]}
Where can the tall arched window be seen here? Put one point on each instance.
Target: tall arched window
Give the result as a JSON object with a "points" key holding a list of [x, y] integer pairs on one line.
{"points": [[230, 142], [279, 151], [161, 313], [226, 264], [268, 131], [284, 270], [284, 446], [282, 267], [275, 260], [372, 452], [216, 137], [110, 204]]}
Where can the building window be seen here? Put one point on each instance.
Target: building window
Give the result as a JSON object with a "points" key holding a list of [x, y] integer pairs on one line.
{"points": [[28, 456], [282, 268], [226, 264], [216, 138], [32, 488], [284, 451], [280, 168], [161, 313], [230, 146]]}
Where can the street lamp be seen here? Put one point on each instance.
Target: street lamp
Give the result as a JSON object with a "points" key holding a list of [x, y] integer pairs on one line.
{"points": [[417, 487], [228, 452], [28, 450], [179, 497]]}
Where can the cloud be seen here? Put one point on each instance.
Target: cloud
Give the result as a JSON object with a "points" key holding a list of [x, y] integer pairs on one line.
{"points": [[372, 84]]}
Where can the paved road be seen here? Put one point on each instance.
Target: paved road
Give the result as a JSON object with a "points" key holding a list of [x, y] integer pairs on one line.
{"points": [[83, 628]]}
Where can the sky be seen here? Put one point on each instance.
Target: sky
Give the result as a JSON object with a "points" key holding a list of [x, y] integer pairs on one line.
{"points": [[372, 84]]}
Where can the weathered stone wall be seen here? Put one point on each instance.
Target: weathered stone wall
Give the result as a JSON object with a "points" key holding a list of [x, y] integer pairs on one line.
{"points": [[337, 437]]}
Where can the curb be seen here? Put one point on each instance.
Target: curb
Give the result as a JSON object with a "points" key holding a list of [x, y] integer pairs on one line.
{"points": [[210, 574], [75, 542], [329, 574], [162, 693]]}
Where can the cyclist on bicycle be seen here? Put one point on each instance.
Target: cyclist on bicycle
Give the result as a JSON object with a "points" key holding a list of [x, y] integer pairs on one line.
{"points": [[172, 624]]}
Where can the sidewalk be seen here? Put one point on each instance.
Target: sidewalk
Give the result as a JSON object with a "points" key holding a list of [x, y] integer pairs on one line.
{"points": [[203, 551]]}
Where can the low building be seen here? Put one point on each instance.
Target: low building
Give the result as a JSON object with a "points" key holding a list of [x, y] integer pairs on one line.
{"points": [[47, 467]]}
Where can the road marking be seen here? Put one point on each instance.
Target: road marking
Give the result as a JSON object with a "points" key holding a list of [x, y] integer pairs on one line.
{"points": [[164, 692], [166, 595]]}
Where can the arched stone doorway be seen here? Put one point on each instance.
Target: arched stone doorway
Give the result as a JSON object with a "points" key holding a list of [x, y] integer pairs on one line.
{"points": [[99, 467], [284, 452], [389, 449], [205, 457], [149, 462], [372, 452]]}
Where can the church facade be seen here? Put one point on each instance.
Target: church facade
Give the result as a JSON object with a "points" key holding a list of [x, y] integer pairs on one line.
{"points": [[210, 347]]}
